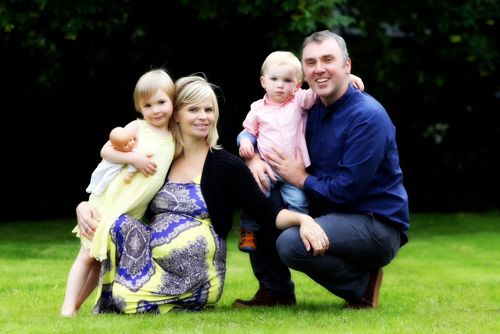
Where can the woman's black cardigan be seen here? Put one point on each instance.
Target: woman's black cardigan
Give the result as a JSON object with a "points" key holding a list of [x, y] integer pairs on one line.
{"points": [[227, 185]]}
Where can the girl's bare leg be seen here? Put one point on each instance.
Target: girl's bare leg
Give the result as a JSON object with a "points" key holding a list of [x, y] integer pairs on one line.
{"points": [[77, 278], [90, 284]]}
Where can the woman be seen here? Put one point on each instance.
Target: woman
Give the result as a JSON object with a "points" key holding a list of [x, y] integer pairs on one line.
{"points": [[178, 261]]}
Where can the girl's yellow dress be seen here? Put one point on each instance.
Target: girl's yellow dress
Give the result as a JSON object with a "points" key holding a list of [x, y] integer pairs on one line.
{"points": [[132, 198]]}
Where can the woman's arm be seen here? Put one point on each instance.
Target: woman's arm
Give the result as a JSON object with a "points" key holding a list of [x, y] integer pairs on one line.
{"points": [[312, 235], [261, 209]]}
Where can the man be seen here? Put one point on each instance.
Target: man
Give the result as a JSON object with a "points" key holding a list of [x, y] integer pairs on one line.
{"points": [[354, 185]]}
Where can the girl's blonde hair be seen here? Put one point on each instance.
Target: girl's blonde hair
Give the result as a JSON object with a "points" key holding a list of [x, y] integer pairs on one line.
{"points": [[192, 90], [149, 83], [277, 58]]}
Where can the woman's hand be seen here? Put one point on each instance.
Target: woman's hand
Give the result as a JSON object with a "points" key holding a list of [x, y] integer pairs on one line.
{"points": [[311, 233], [313, 236], [86, 215]]}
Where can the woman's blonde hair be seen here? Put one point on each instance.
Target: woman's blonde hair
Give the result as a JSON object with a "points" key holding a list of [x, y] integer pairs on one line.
{"points": [[191, 90], [149, 83]]}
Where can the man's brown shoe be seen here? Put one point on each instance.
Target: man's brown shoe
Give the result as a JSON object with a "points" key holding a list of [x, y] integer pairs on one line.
{"points": [[266, 297], [370, 297]]}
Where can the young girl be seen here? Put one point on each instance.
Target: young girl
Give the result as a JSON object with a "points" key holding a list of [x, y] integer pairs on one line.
{"points": [[153, 98]]}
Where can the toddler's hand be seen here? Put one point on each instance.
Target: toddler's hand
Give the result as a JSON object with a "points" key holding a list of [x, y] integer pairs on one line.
{"points": [[357, 82], [246, 149]]}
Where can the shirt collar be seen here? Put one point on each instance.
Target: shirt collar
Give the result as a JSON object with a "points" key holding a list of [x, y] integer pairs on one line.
{"points": [[330, 109], [267, 100]]}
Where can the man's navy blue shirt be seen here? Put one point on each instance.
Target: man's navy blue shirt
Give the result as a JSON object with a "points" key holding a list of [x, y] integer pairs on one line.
{"points": [[355, 161]]}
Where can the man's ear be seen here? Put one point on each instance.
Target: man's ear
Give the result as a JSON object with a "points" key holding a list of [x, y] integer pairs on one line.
{"points": [[348, 65]]}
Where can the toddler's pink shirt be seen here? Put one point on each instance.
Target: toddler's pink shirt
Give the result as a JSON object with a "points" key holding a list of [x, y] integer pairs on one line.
{"points": [[281, 125]]}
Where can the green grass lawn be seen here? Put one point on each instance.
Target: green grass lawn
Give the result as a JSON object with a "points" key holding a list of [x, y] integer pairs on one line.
{"points": [[445, 280]]}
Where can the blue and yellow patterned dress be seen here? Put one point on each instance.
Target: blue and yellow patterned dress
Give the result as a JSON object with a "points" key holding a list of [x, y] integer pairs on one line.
{"points": [[176, 263]]}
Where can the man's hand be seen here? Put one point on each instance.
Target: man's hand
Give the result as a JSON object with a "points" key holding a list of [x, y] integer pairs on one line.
{"points": [[86, 216], [290, 169], [260, 170]]}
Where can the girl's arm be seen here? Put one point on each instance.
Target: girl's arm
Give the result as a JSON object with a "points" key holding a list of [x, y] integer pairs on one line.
{"points": [[141, 161]]}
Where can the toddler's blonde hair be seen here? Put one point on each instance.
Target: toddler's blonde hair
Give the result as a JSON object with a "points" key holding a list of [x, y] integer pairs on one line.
{"points": [[282, 58]]}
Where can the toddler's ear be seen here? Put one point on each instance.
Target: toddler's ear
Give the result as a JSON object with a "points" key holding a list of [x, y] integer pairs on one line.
{"points": [[262, 82], [299, 84]]}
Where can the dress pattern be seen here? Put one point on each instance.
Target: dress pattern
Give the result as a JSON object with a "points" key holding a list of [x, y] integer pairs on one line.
{"points": [[177, 262]]}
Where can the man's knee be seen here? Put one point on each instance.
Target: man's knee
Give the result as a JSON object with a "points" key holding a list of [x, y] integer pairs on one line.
{"points": [[290, 247]]}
